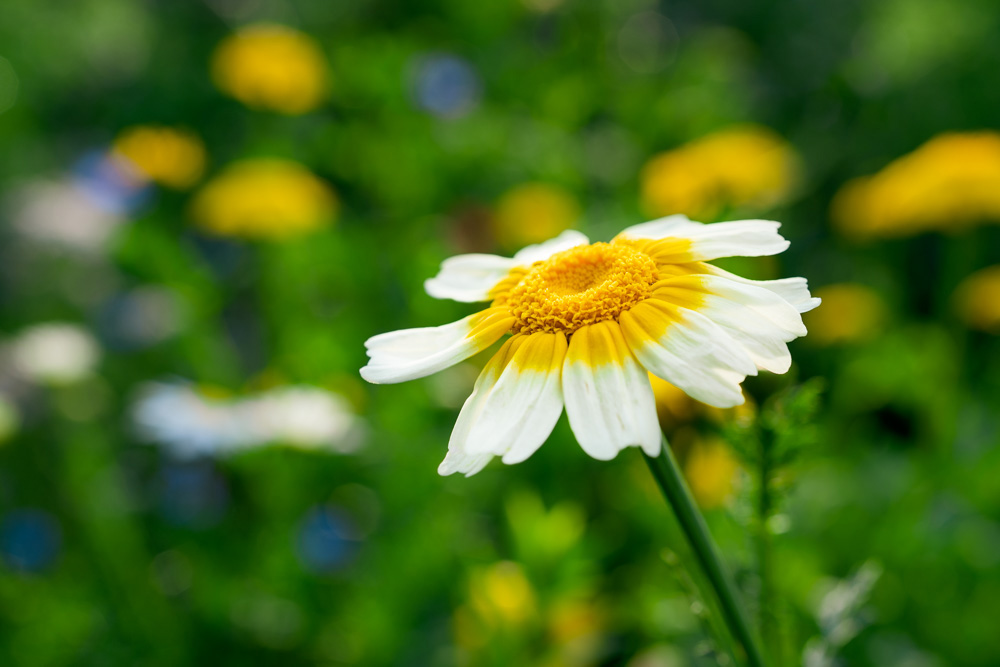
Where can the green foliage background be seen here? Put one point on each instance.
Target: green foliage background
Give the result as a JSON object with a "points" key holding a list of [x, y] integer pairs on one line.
{"points": [[899, 465]]}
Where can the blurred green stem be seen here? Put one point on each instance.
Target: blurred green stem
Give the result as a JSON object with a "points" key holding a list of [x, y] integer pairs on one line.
{"points": [[86, 466], [768, 628], [668, 475]]}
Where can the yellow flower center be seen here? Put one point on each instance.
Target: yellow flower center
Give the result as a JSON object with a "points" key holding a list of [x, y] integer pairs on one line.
{"points": [[580, 286]]}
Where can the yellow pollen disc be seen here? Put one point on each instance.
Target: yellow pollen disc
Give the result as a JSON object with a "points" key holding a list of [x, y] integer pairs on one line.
{"points": [[580, 286]]}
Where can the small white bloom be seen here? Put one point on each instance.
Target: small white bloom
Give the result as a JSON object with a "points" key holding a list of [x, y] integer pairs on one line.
{"points": [[187, 422], [63, 215], [191, 424], [306, 417], [55, 353]]}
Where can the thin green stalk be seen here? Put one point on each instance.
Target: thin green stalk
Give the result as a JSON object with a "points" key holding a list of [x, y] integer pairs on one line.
{"points": [[668, 476], [768, 628]]}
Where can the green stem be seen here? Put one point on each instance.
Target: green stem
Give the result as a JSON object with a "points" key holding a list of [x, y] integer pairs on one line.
{"points": [[768, 628], [668, 476]]}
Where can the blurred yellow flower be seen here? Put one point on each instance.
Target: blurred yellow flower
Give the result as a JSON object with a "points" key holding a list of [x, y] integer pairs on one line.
{"points": [[675, 408], [571, 619], [468, 629], [949, 183], [264, 199], [271, 67], [745, 166], [673, 405], [711, 470], [850, 313], [168, 156], [977, 300], [501, 595], [532, 213]]}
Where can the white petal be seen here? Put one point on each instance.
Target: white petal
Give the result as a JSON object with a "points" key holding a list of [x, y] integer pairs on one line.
{"points": [[609, 400], [793, 290], [469, 278], [516, 414], [701, 242], [673, 225], [403, 355], [742, 238], [458, 458], [688, 350], [758, 319], [542, 251]]}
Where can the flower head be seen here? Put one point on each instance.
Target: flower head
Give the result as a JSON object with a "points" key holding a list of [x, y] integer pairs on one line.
{"points": [[951, 182], [587, 321], [264, 199], [739, 167], [271, 67], [171, 157]]}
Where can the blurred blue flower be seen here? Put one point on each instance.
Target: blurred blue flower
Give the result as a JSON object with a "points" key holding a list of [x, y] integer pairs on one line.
{"points": [[446, 85], [30, 539], [193, 494], [110, 183], [327, 539]]}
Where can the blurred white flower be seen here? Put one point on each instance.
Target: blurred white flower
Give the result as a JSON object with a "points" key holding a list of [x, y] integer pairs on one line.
{"points": [[63, 215], [304, 416], [54, 353], [189, 423]]}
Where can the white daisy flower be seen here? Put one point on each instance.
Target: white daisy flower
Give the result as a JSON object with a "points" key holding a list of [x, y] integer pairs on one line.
{"points": [[587, 321]]}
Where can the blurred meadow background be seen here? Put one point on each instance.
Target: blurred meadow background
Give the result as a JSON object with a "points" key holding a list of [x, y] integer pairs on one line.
{"points": [[207, 207]]}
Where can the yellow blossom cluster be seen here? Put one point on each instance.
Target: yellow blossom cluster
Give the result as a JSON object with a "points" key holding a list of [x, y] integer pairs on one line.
{"points": [[264, 199], [165, 155], [271, 67], [948, 184], [745, 167]]}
